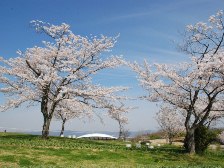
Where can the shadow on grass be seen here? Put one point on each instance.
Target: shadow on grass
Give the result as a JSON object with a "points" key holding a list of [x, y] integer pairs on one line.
{"points": [[17, 136]]}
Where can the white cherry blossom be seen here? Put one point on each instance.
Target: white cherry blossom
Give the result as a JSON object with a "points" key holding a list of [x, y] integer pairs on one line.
{"points": [[58, 74]]}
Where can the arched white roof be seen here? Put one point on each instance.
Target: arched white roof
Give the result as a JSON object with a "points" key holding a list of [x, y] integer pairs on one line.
{"points": [[97, 135]]}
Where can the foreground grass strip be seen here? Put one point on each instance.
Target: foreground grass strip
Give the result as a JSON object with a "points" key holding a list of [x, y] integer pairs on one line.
{"points": [[19, 150]]}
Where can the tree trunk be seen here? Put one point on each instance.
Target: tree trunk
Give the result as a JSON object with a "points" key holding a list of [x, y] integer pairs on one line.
{"points": [[120, 130], [46, 126], [120, 133], [189, 141], [170, 140], [47, 111], [63, 127]]}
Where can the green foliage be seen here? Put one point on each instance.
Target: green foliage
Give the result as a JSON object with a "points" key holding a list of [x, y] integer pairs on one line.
{"points": [[204, 137]]}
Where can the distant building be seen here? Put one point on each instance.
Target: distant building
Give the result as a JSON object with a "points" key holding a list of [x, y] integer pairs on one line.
{"points": [[97, 136]]}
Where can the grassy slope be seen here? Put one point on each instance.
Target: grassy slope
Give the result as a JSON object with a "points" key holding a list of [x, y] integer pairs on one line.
{"points": [[19, 150]]}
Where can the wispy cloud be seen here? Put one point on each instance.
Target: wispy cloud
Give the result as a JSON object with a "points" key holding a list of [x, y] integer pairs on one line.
{"points": [[166, 52], [157, 9], [132, 15]]}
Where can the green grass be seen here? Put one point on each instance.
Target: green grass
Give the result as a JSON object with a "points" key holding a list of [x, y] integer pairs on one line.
{"points": [[20, 150]]}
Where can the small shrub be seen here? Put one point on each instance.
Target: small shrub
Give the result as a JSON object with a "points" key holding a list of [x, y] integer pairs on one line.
{"points": [[203, 137]]}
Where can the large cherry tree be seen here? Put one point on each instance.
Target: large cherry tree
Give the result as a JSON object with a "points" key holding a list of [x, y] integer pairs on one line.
{"points": [[195, 87], [58, 74]]}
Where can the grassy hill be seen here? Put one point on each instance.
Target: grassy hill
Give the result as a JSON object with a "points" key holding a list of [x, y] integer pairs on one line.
{"points": [[21, 150]]}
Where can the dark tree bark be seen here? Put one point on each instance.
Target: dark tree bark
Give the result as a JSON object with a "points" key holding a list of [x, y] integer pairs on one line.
{"points": [[120, 130], [46, 127], [63, 127], [47, 113], [189, 141]]}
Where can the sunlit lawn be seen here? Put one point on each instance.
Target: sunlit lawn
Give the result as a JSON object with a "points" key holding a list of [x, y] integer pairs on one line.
{"points": [[19, 150]]}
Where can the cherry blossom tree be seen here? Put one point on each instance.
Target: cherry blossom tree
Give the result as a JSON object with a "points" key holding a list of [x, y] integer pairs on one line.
{"points": [[205, 42], [171, 121], [58, 75], [118, 114], [195, 87], [64, 116]]}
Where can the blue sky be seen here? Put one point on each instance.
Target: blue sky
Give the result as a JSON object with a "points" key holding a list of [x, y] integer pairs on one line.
{"points": [[149, 29]]}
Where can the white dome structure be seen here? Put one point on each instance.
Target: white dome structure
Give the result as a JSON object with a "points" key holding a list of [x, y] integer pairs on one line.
{"points": [[97, 136]]}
